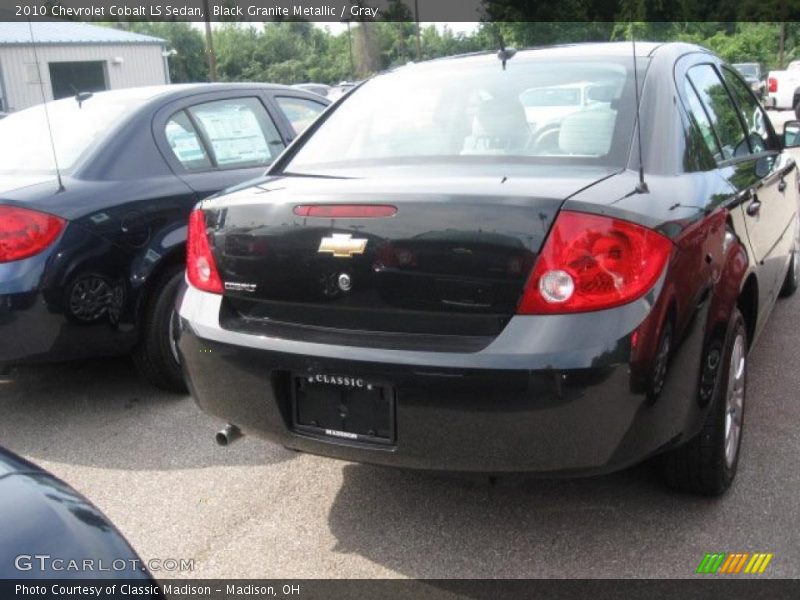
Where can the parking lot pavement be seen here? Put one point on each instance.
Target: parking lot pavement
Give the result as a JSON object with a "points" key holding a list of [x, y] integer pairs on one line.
{"points": [[255, 509], [148, 460]]}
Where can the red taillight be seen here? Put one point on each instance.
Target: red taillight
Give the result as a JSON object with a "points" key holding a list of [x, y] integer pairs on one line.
{"points": [[25, 232], [201, 269], [772, 84], [345, 211], [591, 262]]}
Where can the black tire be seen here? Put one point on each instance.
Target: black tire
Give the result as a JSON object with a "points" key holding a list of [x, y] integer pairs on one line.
{"points": [[154, 356], [792, 276], [702, 465], [796, 108]]}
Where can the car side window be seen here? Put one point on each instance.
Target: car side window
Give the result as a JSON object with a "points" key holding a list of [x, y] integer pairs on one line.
{"points": [[721, 111], [753, 115], [300, 112], [185, 143], [238, 132], [701, 121]]}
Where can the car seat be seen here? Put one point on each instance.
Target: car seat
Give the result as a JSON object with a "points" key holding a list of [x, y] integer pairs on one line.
{"points": [[588, 132], [500, 127]]}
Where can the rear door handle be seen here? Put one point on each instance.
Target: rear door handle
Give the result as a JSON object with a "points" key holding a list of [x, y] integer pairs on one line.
{"points": [[754, 207], [782, 185]]}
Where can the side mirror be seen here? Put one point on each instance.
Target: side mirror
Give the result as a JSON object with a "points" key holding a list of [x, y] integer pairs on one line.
{"points": [[791, 134]]}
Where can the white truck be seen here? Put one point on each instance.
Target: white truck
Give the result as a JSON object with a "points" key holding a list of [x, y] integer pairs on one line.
{"points": [[783, 88]]}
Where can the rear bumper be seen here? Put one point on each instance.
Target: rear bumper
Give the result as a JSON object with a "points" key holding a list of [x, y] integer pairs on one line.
{"points": [[556, 395], [26, 328], [34, 326], [30, 332]]}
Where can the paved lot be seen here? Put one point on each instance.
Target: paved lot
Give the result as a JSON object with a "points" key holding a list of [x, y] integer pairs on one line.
{"points": [[257, 510]]}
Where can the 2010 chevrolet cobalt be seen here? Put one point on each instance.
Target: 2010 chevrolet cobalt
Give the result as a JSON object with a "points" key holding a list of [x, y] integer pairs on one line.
{"points": [[485, 265]]}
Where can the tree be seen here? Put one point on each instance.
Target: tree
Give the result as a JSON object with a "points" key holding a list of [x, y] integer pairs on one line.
{"points": [[188, 63], [291, 51]]}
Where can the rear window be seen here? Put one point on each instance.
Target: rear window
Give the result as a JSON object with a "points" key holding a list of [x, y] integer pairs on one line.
{"points": [[570, 111], [76, 129]]}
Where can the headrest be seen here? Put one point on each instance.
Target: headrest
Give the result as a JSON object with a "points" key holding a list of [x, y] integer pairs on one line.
{"points": [[503, 120], [587, 132]]}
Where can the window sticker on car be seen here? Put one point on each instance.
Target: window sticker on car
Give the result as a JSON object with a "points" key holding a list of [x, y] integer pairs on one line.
{"points": [[235, 134], [186, 146], [185, 143]]}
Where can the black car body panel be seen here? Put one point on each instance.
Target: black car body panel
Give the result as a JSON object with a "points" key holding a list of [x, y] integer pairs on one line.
{"points": [[548, 395], [46, 524], [125, 204], [555, 394], [473, 276]]}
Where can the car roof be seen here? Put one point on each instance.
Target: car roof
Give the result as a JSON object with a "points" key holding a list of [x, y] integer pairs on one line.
{"points": [[589, 50], [181, 89], [147, 95]]}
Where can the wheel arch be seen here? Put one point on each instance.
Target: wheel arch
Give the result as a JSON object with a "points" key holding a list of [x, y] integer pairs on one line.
{"points": [[734, 285], [747, 303], [167, 253]]}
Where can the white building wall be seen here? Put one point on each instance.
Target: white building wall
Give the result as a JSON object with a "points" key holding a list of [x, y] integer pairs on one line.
{"points": [[141, 65]]}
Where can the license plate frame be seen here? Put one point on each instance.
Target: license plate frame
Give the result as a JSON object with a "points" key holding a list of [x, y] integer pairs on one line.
{"points": [[369, 409]]}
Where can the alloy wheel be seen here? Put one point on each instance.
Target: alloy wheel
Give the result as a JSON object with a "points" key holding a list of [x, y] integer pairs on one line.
{"points": [[796, 261], [662, 361], [734, 400]]}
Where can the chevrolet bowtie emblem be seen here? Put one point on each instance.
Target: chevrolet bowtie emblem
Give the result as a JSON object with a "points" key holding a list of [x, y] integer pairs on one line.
{"points": [[342, 245]]}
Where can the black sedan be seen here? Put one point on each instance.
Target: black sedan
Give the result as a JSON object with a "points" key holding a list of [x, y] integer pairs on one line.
{"points": [[50, 531], [469, 281], [95, 192]]}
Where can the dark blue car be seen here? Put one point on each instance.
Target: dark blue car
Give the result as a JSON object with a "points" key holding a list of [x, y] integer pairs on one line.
{"points": [[50, 531], [95, 192]]}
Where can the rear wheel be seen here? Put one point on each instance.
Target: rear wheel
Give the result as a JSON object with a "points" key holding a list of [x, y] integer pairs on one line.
{"points": [[796, 107], [707, 463], [659, 371], [156, 355]]}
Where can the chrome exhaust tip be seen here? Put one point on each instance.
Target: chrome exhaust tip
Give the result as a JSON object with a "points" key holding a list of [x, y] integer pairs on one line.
{"points": [[228, 434]]}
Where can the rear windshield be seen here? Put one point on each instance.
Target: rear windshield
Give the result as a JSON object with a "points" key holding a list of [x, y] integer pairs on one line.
{"points": [[76, 129], [576, 111]]}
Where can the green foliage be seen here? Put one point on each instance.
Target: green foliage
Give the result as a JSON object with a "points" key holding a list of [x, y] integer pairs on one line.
{"points": [[296, 51], [733, 41], [747, 42], [188, 63], [281, 52]]}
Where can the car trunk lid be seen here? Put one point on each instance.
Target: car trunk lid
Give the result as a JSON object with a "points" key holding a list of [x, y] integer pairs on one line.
{"points": [[451, 259]]}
